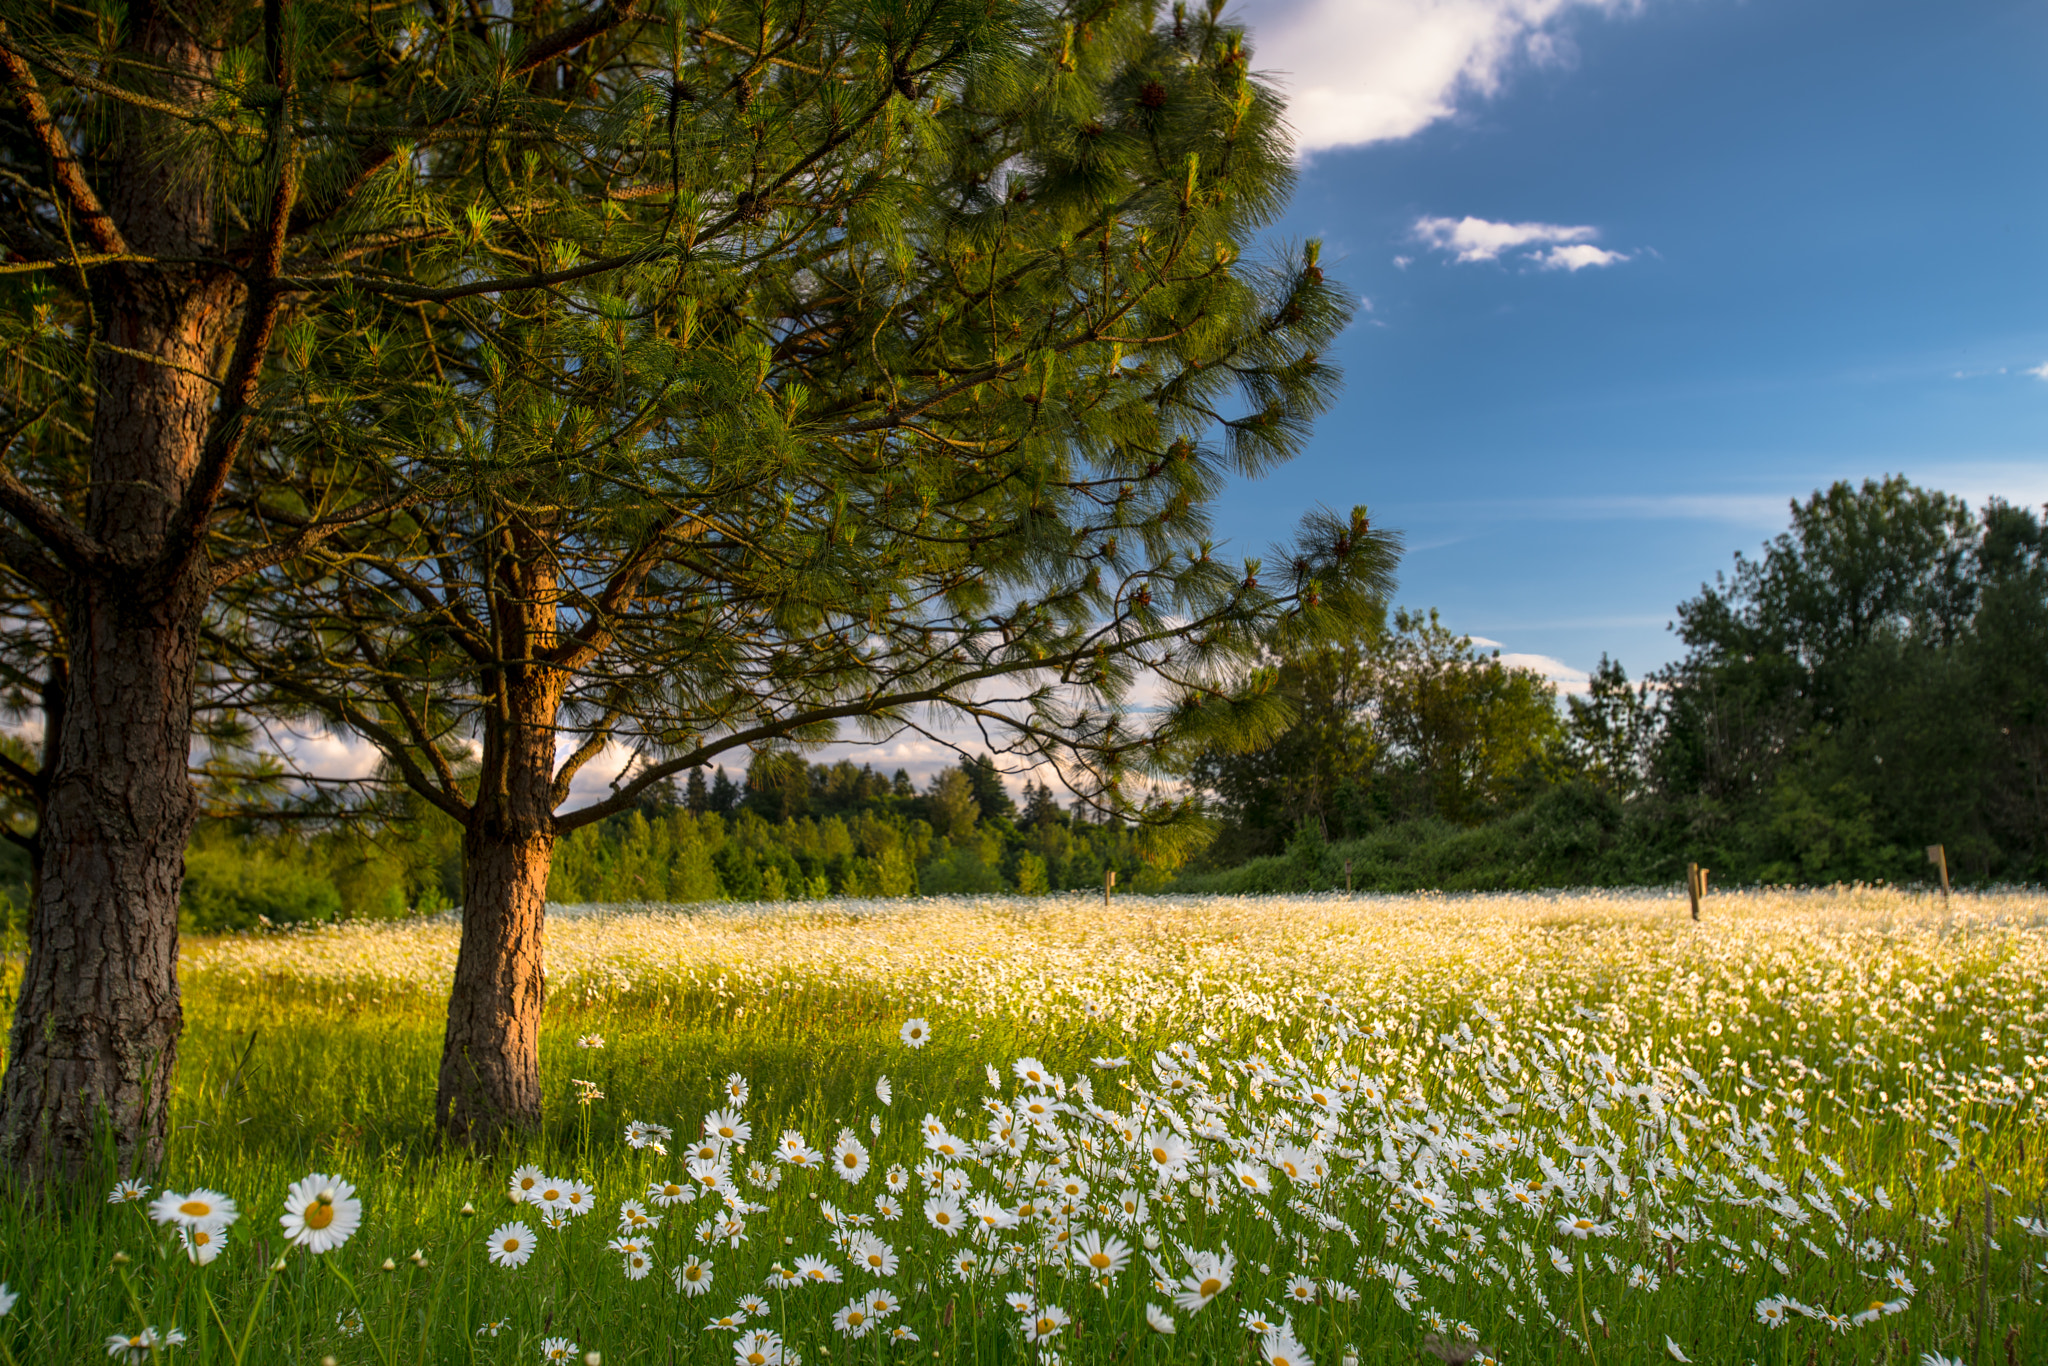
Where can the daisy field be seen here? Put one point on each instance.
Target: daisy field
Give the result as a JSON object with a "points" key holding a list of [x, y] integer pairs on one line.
{"points": [[1311, 1131]]}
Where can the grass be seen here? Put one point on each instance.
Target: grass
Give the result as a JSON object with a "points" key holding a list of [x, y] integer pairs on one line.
{"points": [[1723, 1102]]}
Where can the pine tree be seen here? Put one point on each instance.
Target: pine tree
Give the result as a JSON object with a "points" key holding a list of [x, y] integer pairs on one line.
{"points": [[932, 342]]}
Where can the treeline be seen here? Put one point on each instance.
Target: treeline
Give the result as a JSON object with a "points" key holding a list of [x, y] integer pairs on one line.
{"points": [[1874, 682], [787, 829]]}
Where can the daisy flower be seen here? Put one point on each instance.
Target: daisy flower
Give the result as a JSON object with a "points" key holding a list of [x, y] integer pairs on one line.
{"points": [[1280, 1348], [727, 1323], [693, 1277], [634, 1218], [1673, 1350], [145, 1344], [1031, 1072], [758, 1348], [753, 1305], [127, 1193], [872, 1255], [1251, 1177], [882, 1304], [1045, 1324], [190, 1211], [493, 1328], [849, 1157], [638, 1264], [944, 1213], [1209, 1276], [578, 1197], [1104, 1257], [736, 1090], [888, 1209], [1301, 1290], [525, 1181], [668, 1194], [557, 1349], [202, 1244], [7, 1299], [854, 1320], [817, 1271], [1158, 1320], [916, 1033], [884, 1092], [510, 1244], [320, 1213], [902, 1333], [726, 1126]]}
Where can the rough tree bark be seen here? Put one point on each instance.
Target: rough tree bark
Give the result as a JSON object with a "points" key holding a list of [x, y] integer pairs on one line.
{"points": [[96, 1028], [490, 1056]]}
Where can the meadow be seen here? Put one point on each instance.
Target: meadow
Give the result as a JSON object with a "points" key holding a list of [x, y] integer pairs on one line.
{"points": [[1518, 1128]]}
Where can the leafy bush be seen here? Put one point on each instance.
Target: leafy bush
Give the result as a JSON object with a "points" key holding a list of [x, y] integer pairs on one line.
{"points": [[227, 890]]}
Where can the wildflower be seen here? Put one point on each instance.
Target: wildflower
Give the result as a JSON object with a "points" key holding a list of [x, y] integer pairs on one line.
{"points": [[578, 1197], [1560, 1261], [1157, 1319], [7, 1299], [557, 1349], [1897, 1280], [127, 1193], [1043, 1325], [916, 1033], [668, 1194], [882, 1304], [202, 1244], [1280, 1348], [726, 1126], [1251, 1177], [210, 1208], [1301, 1289], [944, 1214], [350, 1322], [902, 1333], [854, 1320], [510, 1244], [145, 1344], [849, 1158], [817, 1271], [753, 1305], [888, 1209], [757, 1348], [1582, 1226], [320, 1213], [872, 1255], [1031, 1072], [1110, 1065], [1168, 1150], [1772, 1312], [693, 1277], [1672, 1350], [989, 1212], [727, 1323], [1104, 1257], [638, 1264], [1208, 1276], [736, 1090], [884, 1092]]}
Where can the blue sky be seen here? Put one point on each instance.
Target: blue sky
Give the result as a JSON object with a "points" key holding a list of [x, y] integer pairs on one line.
{"points": [[1640, 273]]}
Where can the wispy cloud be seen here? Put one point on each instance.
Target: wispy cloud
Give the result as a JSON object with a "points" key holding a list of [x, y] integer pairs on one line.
{"points": [[2040, 371], [1362, 71], [1548, 246]]}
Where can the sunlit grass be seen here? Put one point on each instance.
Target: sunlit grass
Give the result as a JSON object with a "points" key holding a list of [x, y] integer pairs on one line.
{"points": [[1600, 1051]]}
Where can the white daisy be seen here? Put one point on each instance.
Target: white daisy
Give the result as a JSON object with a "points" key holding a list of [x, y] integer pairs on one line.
{"points": [[190, 1211], [916, 1033], [510, 1244], [320, 1213]]}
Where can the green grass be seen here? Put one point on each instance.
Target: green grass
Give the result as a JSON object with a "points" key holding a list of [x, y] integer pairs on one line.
{"points": [[1786, 1033]]}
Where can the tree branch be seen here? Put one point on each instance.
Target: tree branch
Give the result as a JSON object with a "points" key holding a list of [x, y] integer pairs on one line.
{"points": [[99, 226]]}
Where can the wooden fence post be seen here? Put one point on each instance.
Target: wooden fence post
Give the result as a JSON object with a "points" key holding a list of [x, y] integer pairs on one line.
{"points": [[1695, 886], [1108, 881], [1347, 877], [1938, 856]]}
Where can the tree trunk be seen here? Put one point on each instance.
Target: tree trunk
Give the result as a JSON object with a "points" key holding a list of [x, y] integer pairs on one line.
{"points": [[490, 1058], [96, 1027]]}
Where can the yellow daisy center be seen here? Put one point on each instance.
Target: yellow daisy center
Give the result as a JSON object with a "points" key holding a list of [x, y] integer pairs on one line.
{"points": [[511, 1245], [1210, 1287], [1159, 1155], [1099, 1260], [197, 1209], [320, 1213], [850, 1159]]}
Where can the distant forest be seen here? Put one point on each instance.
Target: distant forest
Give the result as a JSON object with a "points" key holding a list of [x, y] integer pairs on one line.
{"points": [[1875, 681]]}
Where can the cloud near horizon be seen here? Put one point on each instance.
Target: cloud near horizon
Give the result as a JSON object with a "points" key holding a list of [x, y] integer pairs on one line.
{"points": [[1364, 71]]}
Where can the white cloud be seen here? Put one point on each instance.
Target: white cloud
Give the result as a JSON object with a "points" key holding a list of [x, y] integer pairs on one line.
{"points": [[1547, 246], [1578, 256], [1476, 239], [1562, 675], [2040, 371], [1361, 71]]}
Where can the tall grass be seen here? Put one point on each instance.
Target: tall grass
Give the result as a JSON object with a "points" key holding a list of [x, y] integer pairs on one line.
{"points": [[1722, 1101]]}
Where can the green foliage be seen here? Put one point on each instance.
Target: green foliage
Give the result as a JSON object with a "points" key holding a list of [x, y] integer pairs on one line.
{"points": [[1876, 682], [223, 891]]}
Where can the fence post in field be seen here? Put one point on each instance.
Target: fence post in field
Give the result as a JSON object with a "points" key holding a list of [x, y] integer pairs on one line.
{"points": [[1347, 877], [1938, 856], [1108, 881], [1695, 886]]}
